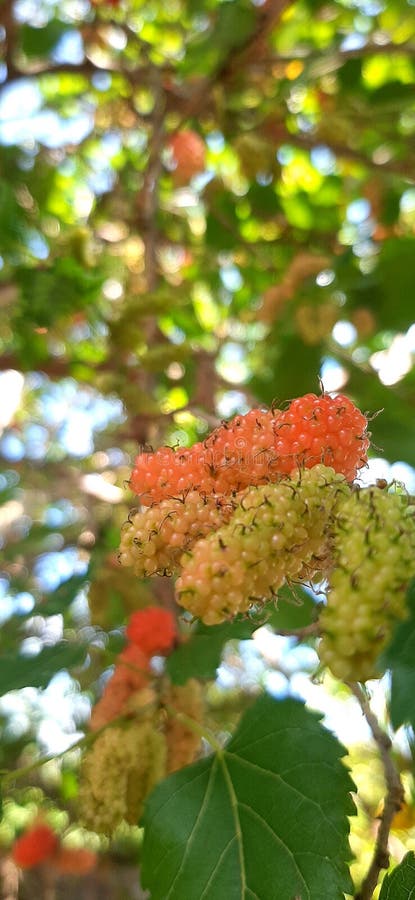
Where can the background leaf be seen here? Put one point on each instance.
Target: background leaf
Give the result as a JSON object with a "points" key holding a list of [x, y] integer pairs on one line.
{"points": [[36, 671], [399, 656], [200, 656]]}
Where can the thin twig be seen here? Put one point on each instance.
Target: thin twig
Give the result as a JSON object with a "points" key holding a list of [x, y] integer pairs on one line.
{"points": [[393, 800], [195, 727], [8, 777], [236, 62], [312, 630]]}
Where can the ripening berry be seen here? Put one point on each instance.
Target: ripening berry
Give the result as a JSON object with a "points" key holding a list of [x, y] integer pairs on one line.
{"points": [[242, 452], [75, 861], [153, 541], [112, 703], [152, 630], [188, 151], [183, 742], [322, 430], [234, 455], [117, 774], [279, 531], [374, 558], [38, 844], [132, 666]]}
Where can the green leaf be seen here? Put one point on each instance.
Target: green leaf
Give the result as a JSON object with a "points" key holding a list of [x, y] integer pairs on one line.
{"points": [[66, 279], [17, 672], [294, 609], [235, 23], [59, 599], [396, 272], [399, 656], [41, 41], [400, 884], [265, 817], [291, 368], [200, 656]]}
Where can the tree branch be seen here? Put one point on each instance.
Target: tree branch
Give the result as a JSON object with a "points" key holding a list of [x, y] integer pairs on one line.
{"points": [[330, 61], [277, 131], [237, 60], [393, 800]]}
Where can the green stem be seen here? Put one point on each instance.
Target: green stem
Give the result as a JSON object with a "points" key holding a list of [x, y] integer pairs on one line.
{"points": [[194, 726], [8, 777]]}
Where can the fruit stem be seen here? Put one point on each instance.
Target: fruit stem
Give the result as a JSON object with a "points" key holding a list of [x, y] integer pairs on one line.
{"points": [[194, 726]]}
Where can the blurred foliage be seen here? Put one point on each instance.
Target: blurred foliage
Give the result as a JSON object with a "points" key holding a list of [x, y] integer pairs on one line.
{"points": [[138, 308]]}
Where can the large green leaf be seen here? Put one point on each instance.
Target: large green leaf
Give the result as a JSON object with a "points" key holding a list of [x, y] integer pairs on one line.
{"points": [[36, 671], [399, 656], [400, 884], [200, 656], [265, 817]]}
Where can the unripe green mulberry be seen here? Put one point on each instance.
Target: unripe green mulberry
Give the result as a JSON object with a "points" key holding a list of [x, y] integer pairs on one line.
{"points": [[374, 557], [119, 771], [153, 541], [278, 531]]}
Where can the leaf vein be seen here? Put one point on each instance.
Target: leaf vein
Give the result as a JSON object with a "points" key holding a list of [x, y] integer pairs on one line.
{"points": [[234, 804], [200, 814], [278, 841], [220, 859], [291, 787]]}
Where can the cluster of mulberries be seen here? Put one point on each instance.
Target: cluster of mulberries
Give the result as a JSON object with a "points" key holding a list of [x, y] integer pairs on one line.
{"points": [[118, 772], [268, 498], [235, 513], [373, 559], [139, 740]]}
